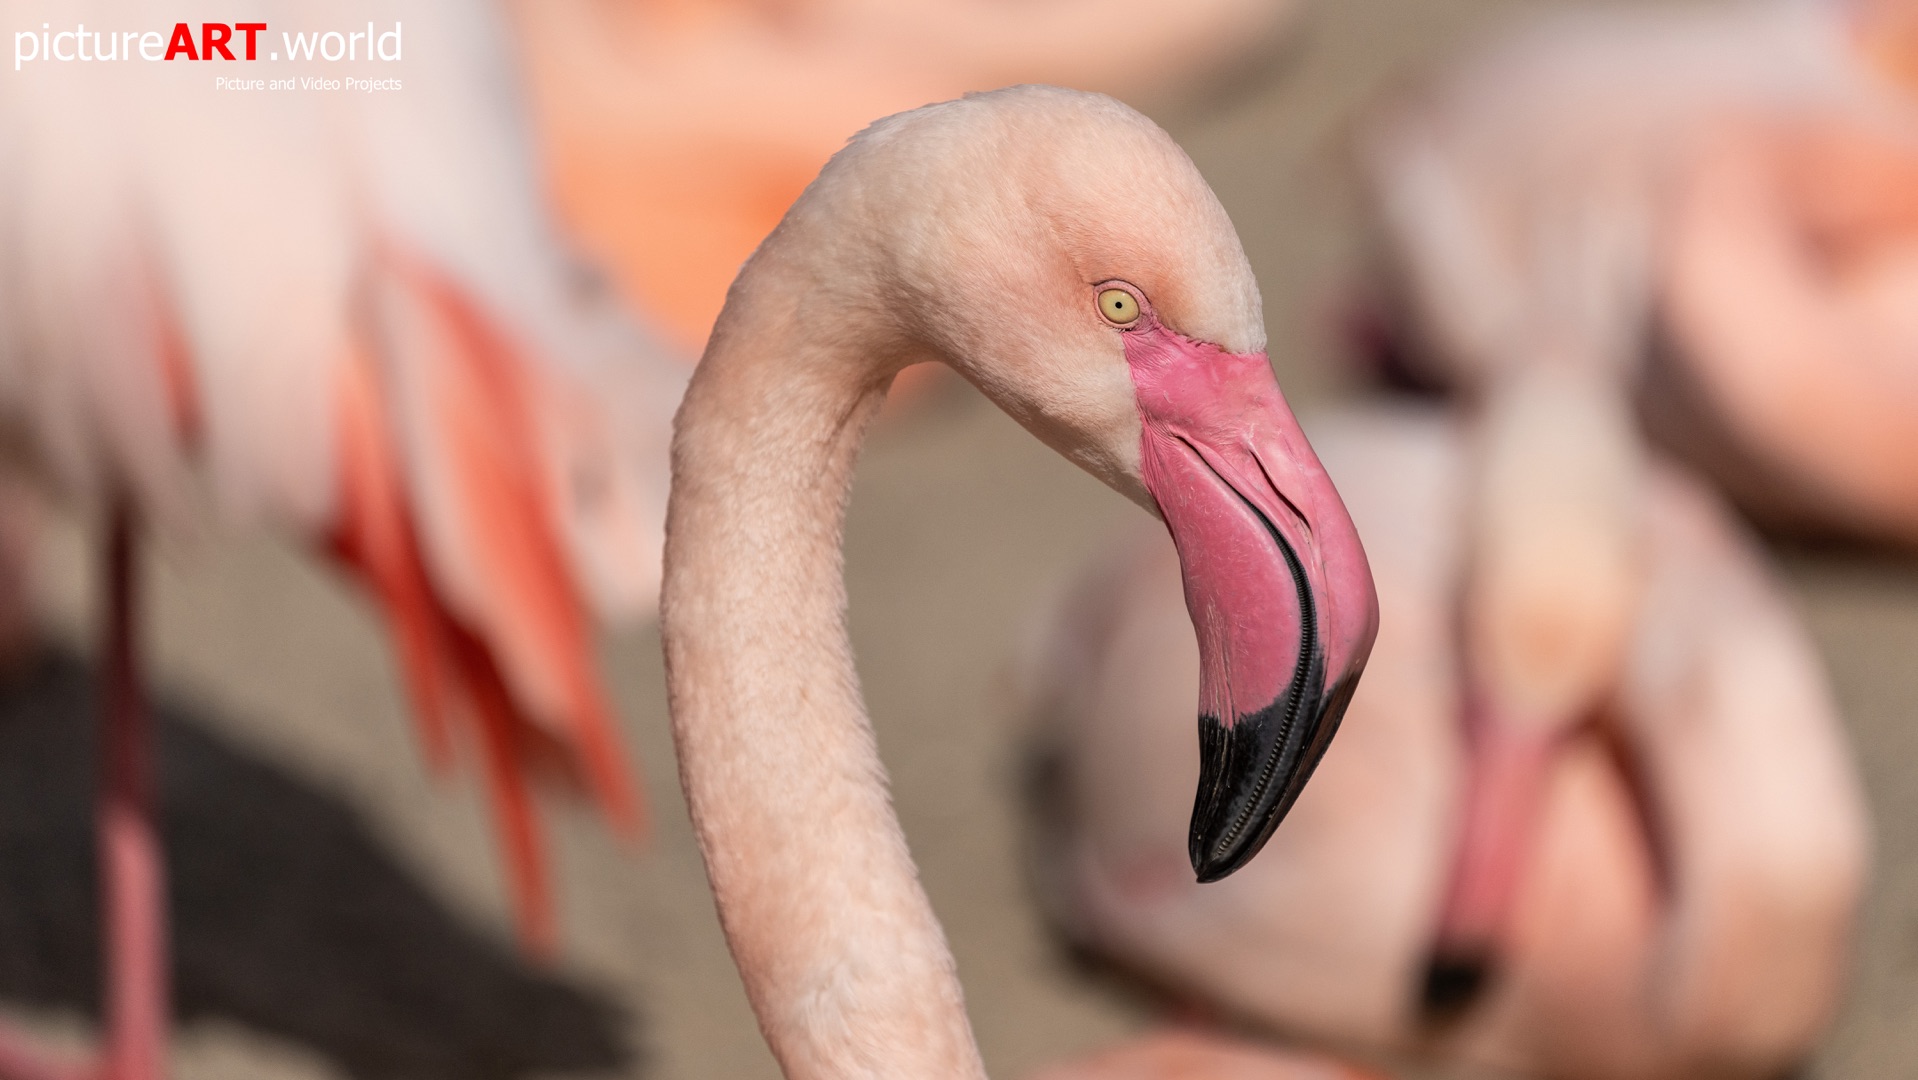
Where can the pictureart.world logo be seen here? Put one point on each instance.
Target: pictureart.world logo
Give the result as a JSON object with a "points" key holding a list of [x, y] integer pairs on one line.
{"points": [[238, 42]]}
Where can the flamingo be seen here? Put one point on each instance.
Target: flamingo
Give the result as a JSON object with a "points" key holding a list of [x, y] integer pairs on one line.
{"points": [[1061, 252], [1685, 896], [340, 316], [1550, 206]]}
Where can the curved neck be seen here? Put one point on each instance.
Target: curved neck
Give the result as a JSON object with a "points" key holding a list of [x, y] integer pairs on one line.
{"points": [[841, 955]]}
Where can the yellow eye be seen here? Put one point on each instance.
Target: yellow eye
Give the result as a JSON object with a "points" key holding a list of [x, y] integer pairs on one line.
{"points": [[1118, 306]]}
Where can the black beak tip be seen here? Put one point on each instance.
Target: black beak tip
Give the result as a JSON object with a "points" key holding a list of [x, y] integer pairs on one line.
{"points": [[1251, 773], [1210, 869]]}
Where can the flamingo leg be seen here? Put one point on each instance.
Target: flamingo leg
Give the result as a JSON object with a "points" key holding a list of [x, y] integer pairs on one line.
{"points": [[132, 866], [132, 869], [20, 1059]]}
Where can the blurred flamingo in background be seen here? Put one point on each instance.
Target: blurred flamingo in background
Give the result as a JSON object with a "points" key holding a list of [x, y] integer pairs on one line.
{"points": [[1679, 904], [1691, 226], [341, 316], [1696, 225]]}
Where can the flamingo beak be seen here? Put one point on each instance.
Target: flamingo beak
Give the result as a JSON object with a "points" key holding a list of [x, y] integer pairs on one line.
{"points": [[1275, 580]]}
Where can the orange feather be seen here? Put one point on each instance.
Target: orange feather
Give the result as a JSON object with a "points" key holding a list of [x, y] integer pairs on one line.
{"points": [[518, 672]]}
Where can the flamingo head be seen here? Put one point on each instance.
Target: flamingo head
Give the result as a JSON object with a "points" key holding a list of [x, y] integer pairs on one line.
{"points": [[1061, 252]]}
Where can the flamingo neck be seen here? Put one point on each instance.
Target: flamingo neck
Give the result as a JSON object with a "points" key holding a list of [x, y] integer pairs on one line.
{"points": [[842, 958]]}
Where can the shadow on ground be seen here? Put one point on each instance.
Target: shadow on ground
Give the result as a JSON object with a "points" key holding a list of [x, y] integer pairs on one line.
{"points": [[289, 917]]}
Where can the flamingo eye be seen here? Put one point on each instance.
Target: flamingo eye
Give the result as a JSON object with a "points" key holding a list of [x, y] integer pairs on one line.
{"points": [[1119, 306]]}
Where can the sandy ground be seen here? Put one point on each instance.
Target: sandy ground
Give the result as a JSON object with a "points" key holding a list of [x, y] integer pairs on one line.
{"points": [[339, 914]]}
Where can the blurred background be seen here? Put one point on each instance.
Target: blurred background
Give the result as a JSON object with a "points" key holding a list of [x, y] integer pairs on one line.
{"points": [[338, 912]]}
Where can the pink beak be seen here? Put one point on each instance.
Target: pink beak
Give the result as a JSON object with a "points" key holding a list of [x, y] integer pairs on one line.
{"points": [[1275, 580]]}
